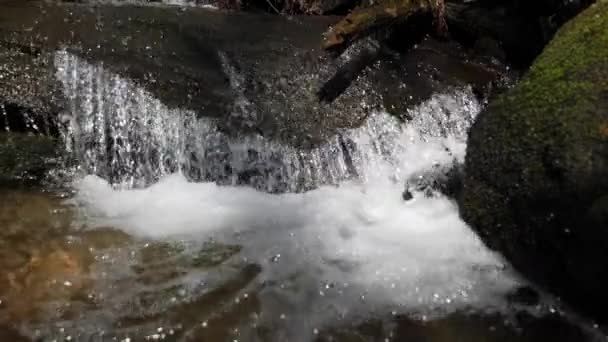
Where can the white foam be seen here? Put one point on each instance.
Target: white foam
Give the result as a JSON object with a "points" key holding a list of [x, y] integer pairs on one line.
{"points": [[350, 246], [416, 255]]}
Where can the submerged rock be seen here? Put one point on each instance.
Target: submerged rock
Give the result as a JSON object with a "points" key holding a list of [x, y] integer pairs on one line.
{"points": [[535, 185]]}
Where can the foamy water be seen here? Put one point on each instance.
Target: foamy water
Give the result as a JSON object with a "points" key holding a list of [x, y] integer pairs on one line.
{"points": [[377, 250], [348, 247]]}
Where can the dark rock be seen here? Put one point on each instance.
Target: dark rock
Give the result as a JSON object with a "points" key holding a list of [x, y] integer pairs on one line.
{"points": [[317, 6], [26, 158], [461, 327], [556, 326], [535, 185], [524, 295], [189, 58], [404, 78], [213, 63], [445, 179], [521, 28], [407, 195]]}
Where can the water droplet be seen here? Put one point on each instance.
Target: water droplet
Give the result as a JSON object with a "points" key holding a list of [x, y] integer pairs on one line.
{"points": [[283, 316], [204, 324], [315, 331]]}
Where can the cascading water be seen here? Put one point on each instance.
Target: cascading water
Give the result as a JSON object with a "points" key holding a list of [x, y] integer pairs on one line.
{"points": [[348, 246], [121, 133]]}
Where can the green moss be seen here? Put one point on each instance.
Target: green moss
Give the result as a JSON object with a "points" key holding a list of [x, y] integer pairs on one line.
{"points": [[559, 105], [25, 157], [570, 76], [537, 162]]}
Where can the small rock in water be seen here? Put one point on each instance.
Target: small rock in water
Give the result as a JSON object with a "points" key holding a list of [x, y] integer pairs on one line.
{"points": [[276, 258]]}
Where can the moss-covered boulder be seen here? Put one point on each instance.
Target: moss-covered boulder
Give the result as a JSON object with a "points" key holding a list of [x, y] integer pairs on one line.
{"points": [[26, 158], [536, 184]]}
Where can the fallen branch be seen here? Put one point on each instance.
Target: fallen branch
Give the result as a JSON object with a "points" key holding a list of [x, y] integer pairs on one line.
{"points": [[363, 21]]}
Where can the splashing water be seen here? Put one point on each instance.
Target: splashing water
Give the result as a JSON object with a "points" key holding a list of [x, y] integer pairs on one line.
{"points": [[121, 133], [349, 245]]}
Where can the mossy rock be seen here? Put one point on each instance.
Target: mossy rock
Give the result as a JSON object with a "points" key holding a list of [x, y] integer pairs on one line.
{"points": [[26, 158], [537, 167]]}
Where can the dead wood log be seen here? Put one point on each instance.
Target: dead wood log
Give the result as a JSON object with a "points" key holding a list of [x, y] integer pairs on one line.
{"points": [[363, 21]]}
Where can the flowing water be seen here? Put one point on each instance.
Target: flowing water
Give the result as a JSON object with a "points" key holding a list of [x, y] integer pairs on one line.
{"points": [[174, 231]]}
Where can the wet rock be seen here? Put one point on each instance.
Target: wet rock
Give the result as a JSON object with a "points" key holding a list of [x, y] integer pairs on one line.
{"points": [[445, 179], [256, 74], [407, 195], [536, 166], [460, 327], [225, 66], [524, 295], [26, 158], [556, 326]]}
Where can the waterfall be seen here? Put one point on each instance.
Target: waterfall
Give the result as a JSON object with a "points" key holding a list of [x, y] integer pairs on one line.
{"points": [[121, 133], [329, 230]]}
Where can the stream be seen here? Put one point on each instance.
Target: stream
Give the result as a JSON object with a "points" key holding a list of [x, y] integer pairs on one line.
{"points": [[163, 227]]}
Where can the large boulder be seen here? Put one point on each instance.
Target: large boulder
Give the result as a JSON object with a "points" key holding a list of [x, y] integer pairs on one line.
{"points": [[253, 73], [536, 184]]}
